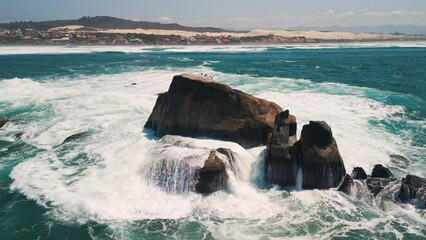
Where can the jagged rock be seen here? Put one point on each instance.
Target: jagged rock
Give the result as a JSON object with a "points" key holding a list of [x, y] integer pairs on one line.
{"points": [[359, 173], [212, 176], [75, 137], [413, 190], [198, 106], [379, 171], [399, 160], [3, 122], [376, 185], [322, 164], [346, 184], [281, 158]]}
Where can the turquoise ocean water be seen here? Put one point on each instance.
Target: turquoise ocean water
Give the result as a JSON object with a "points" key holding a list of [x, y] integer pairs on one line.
{"points": [[372, 95]]}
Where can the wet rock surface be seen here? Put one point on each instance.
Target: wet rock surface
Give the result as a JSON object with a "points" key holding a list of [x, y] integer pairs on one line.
{"points": [[281, 158], [379, 171], [322, 164], [212, 176], [359, 173], [413, 190]]}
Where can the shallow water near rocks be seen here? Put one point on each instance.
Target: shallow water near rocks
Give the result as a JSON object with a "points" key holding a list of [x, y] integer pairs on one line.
{"points": [[372, 96]]}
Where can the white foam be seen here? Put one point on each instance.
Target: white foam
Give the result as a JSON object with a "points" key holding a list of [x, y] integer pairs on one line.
{"points": [[8, 50]]}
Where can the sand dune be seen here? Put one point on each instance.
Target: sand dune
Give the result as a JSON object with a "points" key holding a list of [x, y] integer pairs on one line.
{"points": [[254, 33]]}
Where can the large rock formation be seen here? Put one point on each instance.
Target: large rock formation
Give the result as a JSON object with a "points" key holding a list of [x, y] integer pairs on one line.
{"points": [[322, 164], [413, 190], [281, 154], [197, 106]]}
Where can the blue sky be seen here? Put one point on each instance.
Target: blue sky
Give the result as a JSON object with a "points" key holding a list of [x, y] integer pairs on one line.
{"points": [[227, 13]]}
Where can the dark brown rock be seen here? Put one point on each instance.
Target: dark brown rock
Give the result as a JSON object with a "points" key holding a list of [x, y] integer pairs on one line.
{"points": [[379, 171], [413, 190], [212, 176], [281, 158], [322, 164], [3, 122], [359, 173], [197, 106]]}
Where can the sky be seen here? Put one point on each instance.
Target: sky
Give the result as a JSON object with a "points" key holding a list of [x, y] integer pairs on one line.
{"points": [[232, 14]]}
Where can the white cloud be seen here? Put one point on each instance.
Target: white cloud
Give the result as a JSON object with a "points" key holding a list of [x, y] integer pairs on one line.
{"points": [[331, 14], [397, 13], [165, 19]]}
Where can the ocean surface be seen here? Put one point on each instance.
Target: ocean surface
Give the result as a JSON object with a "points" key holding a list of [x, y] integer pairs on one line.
{"points": [[372, 95]]}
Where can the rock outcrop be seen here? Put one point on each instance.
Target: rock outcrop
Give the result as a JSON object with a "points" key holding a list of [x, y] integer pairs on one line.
{"points": [[359, 173], [281, 154], [198, 106], [413, 190], [321, 162]]}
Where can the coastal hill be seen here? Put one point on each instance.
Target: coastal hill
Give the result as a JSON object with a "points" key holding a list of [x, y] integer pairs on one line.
{"points": [[105, 22], [111, 30]]}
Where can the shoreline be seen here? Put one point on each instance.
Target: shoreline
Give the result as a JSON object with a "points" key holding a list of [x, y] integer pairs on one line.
{"points": [[367, 42]]}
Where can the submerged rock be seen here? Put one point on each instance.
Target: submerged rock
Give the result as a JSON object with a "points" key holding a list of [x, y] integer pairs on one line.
{"points": [[18, 136], [379, 171], [376, 185], [359, 173], [322, 164], [3, 122], [356, 188], [198, 106], [413, 190], [399, 160], [281, 154], [75, 137]]}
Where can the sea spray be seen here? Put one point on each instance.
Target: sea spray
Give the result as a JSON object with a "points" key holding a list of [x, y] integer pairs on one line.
{"points": [[174, 162]]}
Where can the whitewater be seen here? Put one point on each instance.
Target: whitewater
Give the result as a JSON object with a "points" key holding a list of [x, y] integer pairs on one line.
{"points": [[101, 186]]}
